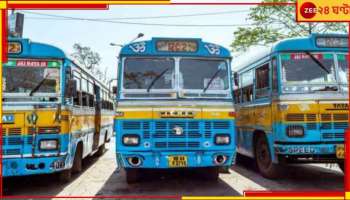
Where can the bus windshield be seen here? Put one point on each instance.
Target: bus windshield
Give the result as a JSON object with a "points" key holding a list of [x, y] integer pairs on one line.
{"points": [[314, 71], [148, 74], [30, 79], [157, 77], [203, 75], [343, 68]]}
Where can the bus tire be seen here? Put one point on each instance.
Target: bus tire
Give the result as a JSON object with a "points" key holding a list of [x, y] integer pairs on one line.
{"points": [[263, 158], [341, 166], [78, 159], [212, 174], [132, 175], [65, 176]]}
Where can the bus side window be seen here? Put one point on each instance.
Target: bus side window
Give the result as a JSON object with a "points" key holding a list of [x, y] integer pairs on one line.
{"points": [[91, 94], [104, 103], [246, 81], [262, 81], [237, 94], [236, 88], [77, 97], [274, 75], [110, 105], [84, 88]]}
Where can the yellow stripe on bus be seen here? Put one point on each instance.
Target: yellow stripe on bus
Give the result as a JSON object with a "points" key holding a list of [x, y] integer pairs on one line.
{"points": [[215, 114]]}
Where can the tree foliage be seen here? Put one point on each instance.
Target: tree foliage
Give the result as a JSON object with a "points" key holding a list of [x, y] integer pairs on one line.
{"points": [[85, 56], [272, 23], [90, 60]]}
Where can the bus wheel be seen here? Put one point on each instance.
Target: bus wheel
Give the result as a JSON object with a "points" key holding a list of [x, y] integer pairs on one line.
{"points": [[65, 176], [78, 158], [263, 159], [132, 175], [341, 166]]}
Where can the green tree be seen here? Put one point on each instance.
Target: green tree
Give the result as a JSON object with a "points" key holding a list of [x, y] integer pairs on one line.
{"points": [[85, 56], [273, 23]]}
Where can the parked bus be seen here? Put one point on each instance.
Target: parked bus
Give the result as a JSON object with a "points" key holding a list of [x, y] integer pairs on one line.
{"points": [[292, 102], [54, 112], [175, 108]]}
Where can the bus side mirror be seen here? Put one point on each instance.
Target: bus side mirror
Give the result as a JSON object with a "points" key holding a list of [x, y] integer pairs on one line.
{"points": [[114, 90], [71, 88], [235, 78]]}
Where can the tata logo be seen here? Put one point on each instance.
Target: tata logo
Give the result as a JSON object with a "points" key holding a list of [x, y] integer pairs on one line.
{"points": [[178, 130], [8, 119], [32, 118], [341, 106]]}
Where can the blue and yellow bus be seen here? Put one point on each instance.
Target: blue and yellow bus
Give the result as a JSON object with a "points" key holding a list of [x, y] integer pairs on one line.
{"points": [[292, 102], [54, 112], [174, 107]]}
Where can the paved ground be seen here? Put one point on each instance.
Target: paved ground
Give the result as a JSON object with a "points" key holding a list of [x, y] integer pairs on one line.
{"points": [[100, 177]]}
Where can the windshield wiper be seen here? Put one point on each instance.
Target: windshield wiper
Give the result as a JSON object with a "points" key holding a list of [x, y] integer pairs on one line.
{"points": [[211, 80], [36, 88], [156, 79], [317, 62]]}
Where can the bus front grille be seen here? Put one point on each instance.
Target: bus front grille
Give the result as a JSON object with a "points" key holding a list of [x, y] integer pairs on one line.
{"points": [[163, 135], [177, 144], [12, 152], [332, 135], [326, 121]]}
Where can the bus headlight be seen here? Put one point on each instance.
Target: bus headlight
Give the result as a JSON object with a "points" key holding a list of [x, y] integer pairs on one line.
{"points": [[131, 140], [222, 139], [295, 131], [49, 144]]}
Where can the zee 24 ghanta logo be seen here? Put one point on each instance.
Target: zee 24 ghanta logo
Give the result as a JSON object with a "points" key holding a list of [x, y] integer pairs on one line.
{"points": [[335, 9]]}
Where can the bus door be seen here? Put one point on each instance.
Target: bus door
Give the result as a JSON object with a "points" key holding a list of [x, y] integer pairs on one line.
{"points": [[97, 117]]}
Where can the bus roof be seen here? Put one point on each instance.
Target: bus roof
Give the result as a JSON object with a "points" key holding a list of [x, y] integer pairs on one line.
{"points": [[174, 47], [291, 44], [307, 43], [36, 50]]}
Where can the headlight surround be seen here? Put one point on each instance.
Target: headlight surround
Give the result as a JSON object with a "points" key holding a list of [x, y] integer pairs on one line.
{"points": [[48, 144], [131, 140], [295, 131], [222, 139]]}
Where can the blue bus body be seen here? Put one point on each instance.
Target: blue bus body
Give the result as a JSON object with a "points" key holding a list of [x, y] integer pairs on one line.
{"points": [[45, 129], [303, 118], [166, 122]]}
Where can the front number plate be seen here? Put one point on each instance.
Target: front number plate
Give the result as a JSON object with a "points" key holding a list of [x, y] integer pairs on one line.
{"points": [[340, 151], [177, 161]]}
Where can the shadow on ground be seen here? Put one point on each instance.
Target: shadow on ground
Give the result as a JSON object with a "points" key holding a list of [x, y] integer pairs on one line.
{"points": [[41, 185], [295, 177], [165, 183]]}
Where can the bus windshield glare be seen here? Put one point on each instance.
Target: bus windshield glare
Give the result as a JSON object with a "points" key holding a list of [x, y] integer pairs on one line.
{"points": [[147, 75], [26, 79], [210, 74], [343, 68], [314, 71], [140, 73]]}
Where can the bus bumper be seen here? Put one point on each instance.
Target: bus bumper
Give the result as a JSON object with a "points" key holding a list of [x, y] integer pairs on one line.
{"points": [[31, 166], [307, 153], [160, 160]]}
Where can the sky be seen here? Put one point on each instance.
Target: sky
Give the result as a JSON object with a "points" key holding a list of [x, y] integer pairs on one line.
{"points": [[99, 35]]}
